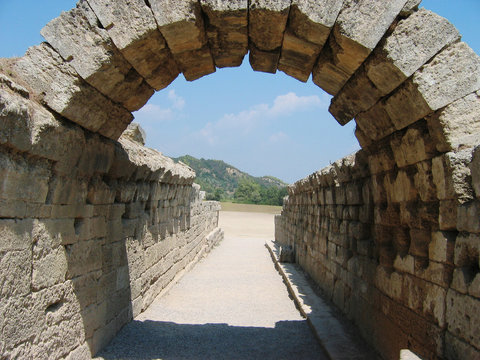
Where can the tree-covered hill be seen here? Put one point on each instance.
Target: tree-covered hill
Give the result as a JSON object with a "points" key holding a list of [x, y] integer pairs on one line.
{"points": [[222, 181]]}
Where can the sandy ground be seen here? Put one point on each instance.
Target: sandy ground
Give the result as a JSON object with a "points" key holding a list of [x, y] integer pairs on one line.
{"points": [[232, 305], [247, 224]]}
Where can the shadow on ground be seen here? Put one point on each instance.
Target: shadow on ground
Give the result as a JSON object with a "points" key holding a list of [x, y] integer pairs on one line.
{"points": [[167, 340]]}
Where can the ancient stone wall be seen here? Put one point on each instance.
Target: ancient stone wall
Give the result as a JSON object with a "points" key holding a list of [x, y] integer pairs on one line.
{"points": [[91, 231], [394, 245]]}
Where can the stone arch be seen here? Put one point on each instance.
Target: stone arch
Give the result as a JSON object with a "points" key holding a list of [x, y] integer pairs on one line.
{"points": [[391, 230]]}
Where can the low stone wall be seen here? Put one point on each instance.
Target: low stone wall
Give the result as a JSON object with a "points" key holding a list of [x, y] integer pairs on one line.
{"points": [[392, 237], [91, 231]]}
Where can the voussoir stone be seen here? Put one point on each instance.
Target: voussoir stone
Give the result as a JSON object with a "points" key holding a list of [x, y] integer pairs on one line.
{"points": [[413, 42], [227, 30], [181, 23], [309, 24], [133, 29], [358, 29], [451, 75], [267, 23], [58, 85], [76, 36], [456, 124]]}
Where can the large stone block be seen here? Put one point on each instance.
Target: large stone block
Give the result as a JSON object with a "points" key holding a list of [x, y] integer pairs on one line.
{"points": [[358, 29], [16, 174], [267, 22], [463, 317], [412, 146], [133, 29], [475, 171], [57, 84], [468, 217], [413, 42], [457, 124], [76, 36], [451, 75], [227, 30], [84, 257], [451, 175], [375, 123], [49, 269], [309, 24], [15, 273], [15, 234], [182, 25]]}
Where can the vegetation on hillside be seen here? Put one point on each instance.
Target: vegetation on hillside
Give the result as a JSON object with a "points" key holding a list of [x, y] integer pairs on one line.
{"points": [[224, 182]]}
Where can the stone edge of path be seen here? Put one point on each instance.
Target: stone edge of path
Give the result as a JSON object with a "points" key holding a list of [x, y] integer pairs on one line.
{"points": [[332, 334]]}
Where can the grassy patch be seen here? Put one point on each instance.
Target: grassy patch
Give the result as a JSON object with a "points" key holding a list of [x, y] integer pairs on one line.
{"points": [[268, 209]]}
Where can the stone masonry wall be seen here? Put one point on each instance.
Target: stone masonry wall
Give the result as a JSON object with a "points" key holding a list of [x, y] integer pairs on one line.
{"points": [[91, 231], [391, 236]]}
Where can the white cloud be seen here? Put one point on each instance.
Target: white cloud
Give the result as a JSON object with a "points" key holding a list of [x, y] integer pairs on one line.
{"points": [[152, 112], [278, 137], [244, 122], [156, 113], [178, 102], [290, 103]]}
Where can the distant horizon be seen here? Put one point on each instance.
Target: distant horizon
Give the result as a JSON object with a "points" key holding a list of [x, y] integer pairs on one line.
{"points": [[254, 121]]}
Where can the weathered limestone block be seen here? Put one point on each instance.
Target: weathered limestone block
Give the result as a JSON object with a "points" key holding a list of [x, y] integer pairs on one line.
{"points": [[84, 257], [133, 29], [15, 273], [463, 317], [413, 42], [375, 123], [76, 36], [457, 349], [57, 84], [451, 75], [97, 157], [451, 175], [267, 22], [475, 170], [136, 133], [309, 24], [358, 29], [182, 25], [49, 269], [457, 124], [133, 161], [468, 217], [412, 146], [227, 30], [64, 190], [100, 193], [423, 181], [16, 175], [425, 298]]}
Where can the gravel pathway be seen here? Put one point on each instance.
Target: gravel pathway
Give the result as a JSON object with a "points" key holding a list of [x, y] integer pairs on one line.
{"points": [[232, 305]]}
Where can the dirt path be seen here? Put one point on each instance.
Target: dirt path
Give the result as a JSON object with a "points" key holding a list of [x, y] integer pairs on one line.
{"points": [[232, 305]]}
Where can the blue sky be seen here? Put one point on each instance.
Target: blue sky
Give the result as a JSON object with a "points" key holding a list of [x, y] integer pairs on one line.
{"points": [[261, 123]]}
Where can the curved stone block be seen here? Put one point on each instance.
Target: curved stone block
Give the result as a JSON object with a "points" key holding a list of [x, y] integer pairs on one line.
{"points": [[359, 27], [457, 124], [451, 75], [57, 84], [133, 29], [309, 24], [267, 22], [88, 48], [227, 30], [182, 25], [414, 41]]}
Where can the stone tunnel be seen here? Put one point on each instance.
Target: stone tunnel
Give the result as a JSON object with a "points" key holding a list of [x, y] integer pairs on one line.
{"points": [[93, 225]]}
